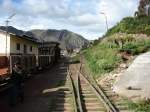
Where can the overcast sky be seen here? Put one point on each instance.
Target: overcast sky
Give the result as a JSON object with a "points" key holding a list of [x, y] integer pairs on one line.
{"points": [[80, 16]]}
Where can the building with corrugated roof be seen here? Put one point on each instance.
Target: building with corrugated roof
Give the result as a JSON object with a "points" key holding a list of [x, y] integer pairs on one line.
{"points": [[13, 47]]}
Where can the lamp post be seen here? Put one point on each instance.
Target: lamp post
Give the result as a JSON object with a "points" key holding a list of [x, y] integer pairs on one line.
{"points": [[105, 19]]}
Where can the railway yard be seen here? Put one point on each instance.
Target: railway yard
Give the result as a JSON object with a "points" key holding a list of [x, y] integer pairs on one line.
{"points": [[66, 87]]}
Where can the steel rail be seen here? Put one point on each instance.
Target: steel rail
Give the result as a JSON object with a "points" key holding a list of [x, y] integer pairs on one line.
{"points": [[96, 93], [73, 91], [106, 100], [78, 94], [101, 95]]}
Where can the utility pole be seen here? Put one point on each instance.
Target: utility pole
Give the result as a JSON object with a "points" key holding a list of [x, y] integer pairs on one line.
{"points": [[7, 22], [105, 19]]}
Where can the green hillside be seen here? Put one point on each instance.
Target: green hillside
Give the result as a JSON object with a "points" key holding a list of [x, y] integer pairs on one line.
{"points": [[128, 38], [132, 25]]}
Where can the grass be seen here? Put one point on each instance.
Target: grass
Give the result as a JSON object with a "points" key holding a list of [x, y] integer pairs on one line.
{"points": [[105, 56], [123, 39], [142, 106], [132, 25]]}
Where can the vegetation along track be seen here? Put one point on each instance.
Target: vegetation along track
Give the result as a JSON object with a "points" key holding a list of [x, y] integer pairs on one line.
{"points": [[115, 102], [119, 102], [88, 97], [65, 99]]}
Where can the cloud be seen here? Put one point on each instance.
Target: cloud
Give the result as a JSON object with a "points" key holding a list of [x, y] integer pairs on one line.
{"points": [[80, 16], [45, 8], [6, 6], [85, 20], [117, 9]]}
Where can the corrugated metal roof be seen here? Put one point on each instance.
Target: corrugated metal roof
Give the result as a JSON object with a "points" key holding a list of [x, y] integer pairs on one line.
{"points": [[24, 36]]}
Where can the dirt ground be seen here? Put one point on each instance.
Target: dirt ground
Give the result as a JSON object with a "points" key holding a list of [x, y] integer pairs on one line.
{"points": [[40, 91]]}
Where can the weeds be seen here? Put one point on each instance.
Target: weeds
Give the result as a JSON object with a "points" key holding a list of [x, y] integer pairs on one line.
{"points": [[104, 57], [131, 25], [142, 106]]}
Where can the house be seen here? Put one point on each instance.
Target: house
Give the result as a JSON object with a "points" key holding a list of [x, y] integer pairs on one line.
{"points": [[30, 52], [14, 48]]}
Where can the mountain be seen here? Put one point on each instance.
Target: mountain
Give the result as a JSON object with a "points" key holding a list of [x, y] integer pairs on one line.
{"points": [[66, 38], [12, 30]]}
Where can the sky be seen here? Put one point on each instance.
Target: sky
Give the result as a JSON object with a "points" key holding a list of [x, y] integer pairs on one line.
{"points": [[80, 16]]}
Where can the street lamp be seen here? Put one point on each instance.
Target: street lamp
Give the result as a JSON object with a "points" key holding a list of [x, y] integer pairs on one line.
{"points": [[105, 19]]}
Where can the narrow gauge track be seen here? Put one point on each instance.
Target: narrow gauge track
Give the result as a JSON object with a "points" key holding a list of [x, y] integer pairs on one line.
{"points": [[91, 99], [119, 102], [65, 100], [116, 102]]}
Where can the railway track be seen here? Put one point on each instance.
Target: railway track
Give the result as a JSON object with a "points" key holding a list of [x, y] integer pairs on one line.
{"points": [[81, 93], [119, 102], [115, 101], [90, 100], [65, 99], [88, 97]]}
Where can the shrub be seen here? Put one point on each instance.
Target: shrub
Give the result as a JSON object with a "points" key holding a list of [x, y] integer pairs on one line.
{"points": [[132, 25], [142, 106], [104, 57]]}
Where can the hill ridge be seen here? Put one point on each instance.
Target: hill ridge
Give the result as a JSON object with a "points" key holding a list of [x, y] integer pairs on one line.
{"points": [[68, 39]]}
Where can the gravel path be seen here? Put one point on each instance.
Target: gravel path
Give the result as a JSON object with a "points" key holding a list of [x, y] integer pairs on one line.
{"points": [[39, 91]]}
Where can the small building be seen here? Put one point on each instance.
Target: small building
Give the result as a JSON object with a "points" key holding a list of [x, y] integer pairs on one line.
{"points": [[48, 53], [16, 48]]}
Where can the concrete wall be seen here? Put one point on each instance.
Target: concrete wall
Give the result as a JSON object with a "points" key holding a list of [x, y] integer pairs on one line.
{"points": [[3, 44]]}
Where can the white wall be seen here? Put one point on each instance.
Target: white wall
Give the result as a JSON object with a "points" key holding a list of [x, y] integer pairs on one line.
{"points": [[3, 43]]}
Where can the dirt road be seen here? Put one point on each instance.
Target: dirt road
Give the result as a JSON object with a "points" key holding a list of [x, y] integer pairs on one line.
{"points": [[39, 91]]}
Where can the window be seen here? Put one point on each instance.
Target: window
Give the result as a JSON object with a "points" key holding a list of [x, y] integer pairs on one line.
{"points": [[18, 46], [30, 48], [25, 49]]}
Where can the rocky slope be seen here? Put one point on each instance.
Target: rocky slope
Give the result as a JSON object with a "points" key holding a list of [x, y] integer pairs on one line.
{"points": [[135, 81]]}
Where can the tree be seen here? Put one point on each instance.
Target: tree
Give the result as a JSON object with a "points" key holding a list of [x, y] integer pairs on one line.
{"points": [[143, 8]]}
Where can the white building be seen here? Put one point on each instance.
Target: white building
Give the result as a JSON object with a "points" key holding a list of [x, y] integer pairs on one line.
{"points": [[17, 48], [14, 44]]}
